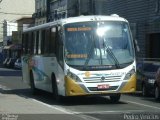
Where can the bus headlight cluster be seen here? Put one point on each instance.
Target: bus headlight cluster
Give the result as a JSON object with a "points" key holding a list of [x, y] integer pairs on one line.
{"points": [[129, 74], [73, 76]]}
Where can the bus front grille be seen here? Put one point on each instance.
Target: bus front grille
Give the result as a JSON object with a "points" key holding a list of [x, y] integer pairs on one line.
{"points": [[96, 89], [102, 79]]}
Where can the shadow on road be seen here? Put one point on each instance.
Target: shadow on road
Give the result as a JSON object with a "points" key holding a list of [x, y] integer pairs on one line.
{"points": [[147, 98], [47, 98]]}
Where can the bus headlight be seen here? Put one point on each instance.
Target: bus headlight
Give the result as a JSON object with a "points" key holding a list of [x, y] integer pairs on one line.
{"points": [[129, 74], [73, 76]]}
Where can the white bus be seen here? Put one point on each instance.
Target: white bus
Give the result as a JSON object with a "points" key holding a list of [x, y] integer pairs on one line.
{"points": [[80, 56]]}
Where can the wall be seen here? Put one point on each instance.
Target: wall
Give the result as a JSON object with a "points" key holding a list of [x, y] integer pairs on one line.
{"points": [[140, 13]]}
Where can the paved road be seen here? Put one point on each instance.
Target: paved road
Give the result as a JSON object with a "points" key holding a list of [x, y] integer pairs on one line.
{"points": [[16, 98]]}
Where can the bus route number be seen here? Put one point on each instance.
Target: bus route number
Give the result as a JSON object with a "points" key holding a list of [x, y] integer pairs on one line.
{"points": [[79, 29]]}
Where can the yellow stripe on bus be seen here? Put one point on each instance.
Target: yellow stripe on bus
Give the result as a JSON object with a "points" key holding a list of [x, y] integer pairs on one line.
{"points": [[72, 88], [130, 86]]}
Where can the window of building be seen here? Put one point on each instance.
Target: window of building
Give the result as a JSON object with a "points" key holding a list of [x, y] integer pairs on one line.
{"points": [[45, 3]]}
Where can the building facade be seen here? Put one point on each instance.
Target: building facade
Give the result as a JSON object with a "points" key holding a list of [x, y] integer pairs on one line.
{"points": [[23, 23], [11, 11], [51, 10], [69, 8], [41, 9], [8, 28], [144, 18]]}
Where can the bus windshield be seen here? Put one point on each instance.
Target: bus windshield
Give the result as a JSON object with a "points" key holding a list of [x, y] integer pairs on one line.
{"points": [[98, 44]]}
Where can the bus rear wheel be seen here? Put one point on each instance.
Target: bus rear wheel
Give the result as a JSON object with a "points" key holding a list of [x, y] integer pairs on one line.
{"points": [[56, 96], [115, 98], [157, 93], [32, 85]]}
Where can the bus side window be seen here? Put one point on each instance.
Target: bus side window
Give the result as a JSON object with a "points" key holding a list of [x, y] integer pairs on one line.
{"points": [[39, 42], [23, 43], [47, 39], [42, 41], [34, 48], [26, 43], [32, 43], [52, 40], [36, 42]]}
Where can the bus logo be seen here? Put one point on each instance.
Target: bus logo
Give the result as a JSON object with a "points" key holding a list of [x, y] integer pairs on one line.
{"points": [[87, 74], [102, 78]]}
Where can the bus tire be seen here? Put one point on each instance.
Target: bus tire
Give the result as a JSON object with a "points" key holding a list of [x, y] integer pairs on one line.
{"points": [[115, 98], [157, 93], [56, 96], [144, 91], [32, 85]]}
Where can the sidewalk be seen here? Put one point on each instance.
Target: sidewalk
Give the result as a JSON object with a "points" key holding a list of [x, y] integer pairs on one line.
{"points": [[14, 107], [9, 72]]}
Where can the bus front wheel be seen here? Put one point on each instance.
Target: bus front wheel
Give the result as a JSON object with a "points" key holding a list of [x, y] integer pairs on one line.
{"points": [[157, 93], [145, 92], [115, 98]]}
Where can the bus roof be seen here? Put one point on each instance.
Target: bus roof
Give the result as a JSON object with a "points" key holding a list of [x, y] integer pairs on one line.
{"points": [[78, 19]]}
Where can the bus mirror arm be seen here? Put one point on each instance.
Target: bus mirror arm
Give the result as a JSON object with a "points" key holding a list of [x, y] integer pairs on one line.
{"points": [[136, 45]]}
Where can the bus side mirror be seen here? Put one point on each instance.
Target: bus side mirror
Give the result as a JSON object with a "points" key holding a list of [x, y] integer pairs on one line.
{"points": [[136, 46]]}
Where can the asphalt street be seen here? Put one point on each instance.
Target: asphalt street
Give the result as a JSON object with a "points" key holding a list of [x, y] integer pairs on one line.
{"points": [[16, 99]]}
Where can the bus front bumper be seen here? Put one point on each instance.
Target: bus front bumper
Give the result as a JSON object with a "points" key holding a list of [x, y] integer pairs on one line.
{"points": [[81, 89]]}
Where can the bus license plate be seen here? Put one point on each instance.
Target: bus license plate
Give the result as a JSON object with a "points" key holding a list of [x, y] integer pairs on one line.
{"points": [[103, 86]]}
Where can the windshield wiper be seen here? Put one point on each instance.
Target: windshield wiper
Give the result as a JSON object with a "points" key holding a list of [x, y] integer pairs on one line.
{"points": [[109, 51], [113, 56], [89, 56]]}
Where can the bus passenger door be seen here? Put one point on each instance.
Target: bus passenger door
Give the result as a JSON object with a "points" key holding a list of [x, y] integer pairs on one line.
{"points": [[25, 69], [25, 58], [59, 55]]}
